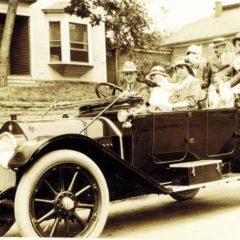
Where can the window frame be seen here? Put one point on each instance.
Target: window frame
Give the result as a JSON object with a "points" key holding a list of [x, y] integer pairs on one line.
{"points": [[65, 40], [83, 43], [60, 25]]}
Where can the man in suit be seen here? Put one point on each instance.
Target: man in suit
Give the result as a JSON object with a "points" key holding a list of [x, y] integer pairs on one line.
{"points": [[233, 72], [133, 87], [129, 71], [219, 61], [197, 62]]}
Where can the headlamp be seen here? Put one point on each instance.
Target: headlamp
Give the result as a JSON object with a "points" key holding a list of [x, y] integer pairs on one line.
{"points": [[8, 147], [122, 115]]}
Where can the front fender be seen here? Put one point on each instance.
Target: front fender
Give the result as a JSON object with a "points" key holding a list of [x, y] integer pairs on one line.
{"points": [[109, 162]]}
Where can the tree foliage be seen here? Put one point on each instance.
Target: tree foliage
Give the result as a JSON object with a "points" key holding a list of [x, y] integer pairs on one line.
{"points": [[127, 22]]}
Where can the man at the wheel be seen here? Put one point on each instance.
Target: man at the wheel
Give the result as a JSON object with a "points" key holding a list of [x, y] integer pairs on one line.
{"points": [[130, 85]]}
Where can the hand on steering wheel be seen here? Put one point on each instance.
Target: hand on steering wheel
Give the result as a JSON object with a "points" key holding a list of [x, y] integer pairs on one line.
{"points": [[104, 90]]}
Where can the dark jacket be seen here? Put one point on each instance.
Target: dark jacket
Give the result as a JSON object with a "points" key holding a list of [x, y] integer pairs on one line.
{"points": [[214, 65]]}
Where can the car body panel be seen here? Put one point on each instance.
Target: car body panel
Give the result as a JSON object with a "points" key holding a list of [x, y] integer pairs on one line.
{"points": [[163, 138], [38, 129], [154, 139]]}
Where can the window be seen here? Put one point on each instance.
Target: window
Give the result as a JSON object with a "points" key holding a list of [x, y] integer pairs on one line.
{"points": [[69, 43], [78, 42], [55, 42]]}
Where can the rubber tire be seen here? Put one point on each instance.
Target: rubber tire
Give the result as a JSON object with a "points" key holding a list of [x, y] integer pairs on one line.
{"points": [[30, 178], [185, 195]]}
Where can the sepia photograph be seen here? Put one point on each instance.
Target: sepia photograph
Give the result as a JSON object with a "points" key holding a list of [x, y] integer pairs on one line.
{"points": [[120, 119]]}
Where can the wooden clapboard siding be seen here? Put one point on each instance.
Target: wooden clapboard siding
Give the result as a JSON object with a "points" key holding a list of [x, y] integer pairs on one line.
{"points": [[30, 47], [42, 67], [20, 50]]}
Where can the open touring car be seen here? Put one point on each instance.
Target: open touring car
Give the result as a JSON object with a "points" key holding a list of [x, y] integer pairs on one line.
{"points": [[66, 171]]}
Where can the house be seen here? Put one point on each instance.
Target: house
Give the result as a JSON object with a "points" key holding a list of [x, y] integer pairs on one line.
{"points": [[49, 44], [223, 23]]}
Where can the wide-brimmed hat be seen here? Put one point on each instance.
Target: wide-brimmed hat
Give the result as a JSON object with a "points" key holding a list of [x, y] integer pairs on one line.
{"points": [[217, 42], [235, 38], [196, 49], [182, 61], [129, 66], [157, 70]]}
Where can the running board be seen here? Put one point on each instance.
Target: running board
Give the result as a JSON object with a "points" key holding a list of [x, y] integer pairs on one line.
{"points": [[231, 177]]}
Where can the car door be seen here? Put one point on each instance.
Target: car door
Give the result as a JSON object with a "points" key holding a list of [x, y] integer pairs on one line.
{"points": [[221, 130], [170, 134], [159, 138]]}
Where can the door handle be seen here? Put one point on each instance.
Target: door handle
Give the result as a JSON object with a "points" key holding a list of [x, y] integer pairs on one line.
{"points": [[189, 140], [236, 135]]}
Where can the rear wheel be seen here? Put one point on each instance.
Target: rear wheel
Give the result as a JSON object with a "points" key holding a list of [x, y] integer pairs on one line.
{"points": [[185, 195], [63, 195]]}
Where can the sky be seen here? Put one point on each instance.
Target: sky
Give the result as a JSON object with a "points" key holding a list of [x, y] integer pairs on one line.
{"points": [[172, 14]]}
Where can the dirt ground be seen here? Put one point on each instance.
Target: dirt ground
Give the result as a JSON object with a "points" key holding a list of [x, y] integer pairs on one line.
{"points": [[214, 214]]}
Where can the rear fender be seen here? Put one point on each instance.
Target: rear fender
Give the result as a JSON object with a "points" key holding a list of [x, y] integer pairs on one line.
{"points": [[109, 162]]}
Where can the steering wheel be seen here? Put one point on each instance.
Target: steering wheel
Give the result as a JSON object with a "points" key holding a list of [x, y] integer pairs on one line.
{"points": [[104, 90]]}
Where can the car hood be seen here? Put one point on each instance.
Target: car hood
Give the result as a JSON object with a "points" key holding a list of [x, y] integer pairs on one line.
{"points": [[51, 128]]}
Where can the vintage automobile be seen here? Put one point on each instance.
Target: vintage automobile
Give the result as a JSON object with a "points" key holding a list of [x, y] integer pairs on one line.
{"points": [[58, 176]]}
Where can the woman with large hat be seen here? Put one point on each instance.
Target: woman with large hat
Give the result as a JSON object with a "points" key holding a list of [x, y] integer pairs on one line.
{"points": [[156, 73], [159, 94], [187, 91], [184, 93]]}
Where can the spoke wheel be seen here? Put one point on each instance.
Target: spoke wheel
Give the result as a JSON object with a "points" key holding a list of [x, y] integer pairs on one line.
{"points": [[185, 195], [63, 195], [104, 90]]}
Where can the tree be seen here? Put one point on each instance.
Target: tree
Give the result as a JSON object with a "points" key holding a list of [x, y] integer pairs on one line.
{"points": [[6, 41], [126, 21]]}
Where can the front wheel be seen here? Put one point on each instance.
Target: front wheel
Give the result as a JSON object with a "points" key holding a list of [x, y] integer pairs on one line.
{"points": [[64, 194], [185, 195]]}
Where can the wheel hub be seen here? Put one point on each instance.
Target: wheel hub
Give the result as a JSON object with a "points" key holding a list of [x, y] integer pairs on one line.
{"points": [[67, 203]]}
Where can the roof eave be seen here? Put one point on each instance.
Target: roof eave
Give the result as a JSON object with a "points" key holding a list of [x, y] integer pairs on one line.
{"points": [[198, 41]]}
